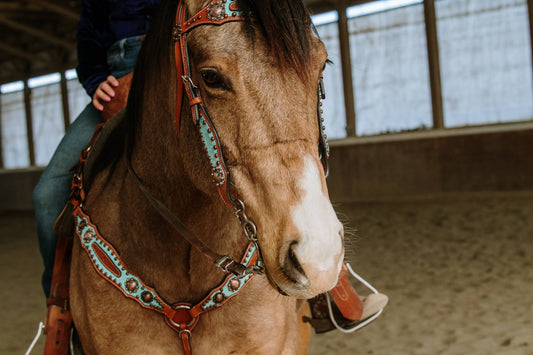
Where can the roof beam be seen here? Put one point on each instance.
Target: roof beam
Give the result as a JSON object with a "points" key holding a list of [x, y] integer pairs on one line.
{"points": [[36, 33], [17, 52], [57, 9], [10, 6]]}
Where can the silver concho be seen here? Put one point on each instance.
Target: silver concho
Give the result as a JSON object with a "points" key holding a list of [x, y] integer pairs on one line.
{"points": [[218, 176], [216, 11], [88, 236], [81, 225]]}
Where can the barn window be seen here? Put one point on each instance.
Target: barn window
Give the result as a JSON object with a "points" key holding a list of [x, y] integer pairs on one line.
{"points": [[390, 70], [15, 152], [485, 61], [47, 117], [14, 144], [77, 97], [412, 65]]}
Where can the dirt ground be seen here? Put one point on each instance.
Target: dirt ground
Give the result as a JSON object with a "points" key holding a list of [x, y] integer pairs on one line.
{"points": [[458, 272]]}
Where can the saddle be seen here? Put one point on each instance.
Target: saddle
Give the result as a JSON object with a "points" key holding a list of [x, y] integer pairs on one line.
{"points": [[120, 100]]}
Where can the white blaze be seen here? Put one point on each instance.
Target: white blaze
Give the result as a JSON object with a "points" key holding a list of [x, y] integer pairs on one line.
{"points": [[320, 248]]}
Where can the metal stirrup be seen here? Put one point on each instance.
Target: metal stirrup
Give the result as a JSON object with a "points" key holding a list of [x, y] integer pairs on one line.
{"points": [[362, 323]]}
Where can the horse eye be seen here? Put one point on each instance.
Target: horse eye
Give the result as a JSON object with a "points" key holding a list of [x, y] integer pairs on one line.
{"points": [[212, 79]]}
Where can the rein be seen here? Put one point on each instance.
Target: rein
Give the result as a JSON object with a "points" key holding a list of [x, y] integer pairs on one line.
{"points": [[224, 262]]}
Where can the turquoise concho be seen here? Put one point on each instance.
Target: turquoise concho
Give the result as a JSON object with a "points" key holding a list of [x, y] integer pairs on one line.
{"points": [[219, 10]]}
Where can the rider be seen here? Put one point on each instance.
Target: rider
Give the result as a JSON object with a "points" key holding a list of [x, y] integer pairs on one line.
{"points": [[108, 41]]}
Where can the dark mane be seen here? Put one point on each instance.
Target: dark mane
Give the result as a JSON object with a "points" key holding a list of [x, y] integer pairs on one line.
{"points": [[286, 26], [154, 70]]}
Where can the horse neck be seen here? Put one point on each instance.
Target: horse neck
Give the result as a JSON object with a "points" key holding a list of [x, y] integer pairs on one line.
{"points": [[159, 159]]}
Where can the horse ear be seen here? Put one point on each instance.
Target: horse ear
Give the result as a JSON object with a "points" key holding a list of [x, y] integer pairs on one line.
{"points": [[121, 97]]}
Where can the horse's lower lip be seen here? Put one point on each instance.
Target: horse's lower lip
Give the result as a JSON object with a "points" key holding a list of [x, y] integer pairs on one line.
{"points": [[291, 288], [290, 277], [281, 292]]}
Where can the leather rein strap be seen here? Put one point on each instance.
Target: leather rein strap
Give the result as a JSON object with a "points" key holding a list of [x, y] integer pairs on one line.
{"points": [[224, 262]]}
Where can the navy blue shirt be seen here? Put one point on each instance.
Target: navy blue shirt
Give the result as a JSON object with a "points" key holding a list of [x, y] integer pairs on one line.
{"points": [[102, 23]]}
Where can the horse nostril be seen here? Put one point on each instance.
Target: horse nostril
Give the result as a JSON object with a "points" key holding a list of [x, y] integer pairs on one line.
{"points": [[292, 268]]}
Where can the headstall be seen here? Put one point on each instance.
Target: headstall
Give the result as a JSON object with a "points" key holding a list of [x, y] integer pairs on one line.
{"points": [[219, 12], [183, 317]]}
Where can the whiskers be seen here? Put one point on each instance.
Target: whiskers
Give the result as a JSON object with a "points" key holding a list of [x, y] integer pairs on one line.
{"points": [[351, 238]]}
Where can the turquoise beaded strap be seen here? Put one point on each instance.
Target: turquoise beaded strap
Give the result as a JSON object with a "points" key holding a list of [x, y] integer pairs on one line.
{"points": [[108, 264]]}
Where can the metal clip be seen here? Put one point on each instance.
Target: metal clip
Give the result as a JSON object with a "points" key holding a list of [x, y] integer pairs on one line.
{"points": [[248, 226], [188, 80], [322, 92], [224, 262], [230, 266], [254, 269]]}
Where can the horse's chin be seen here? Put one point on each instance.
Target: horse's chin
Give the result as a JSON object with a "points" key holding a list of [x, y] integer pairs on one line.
{"points": [[301, 289]]}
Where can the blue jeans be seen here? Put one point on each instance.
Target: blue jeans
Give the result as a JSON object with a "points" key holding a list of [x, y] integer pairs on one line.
{"points": [[53, 189]]}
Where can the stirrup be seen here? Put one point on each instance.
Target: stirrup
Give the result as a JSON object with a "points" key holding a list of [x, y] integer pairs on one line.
{"points": [[373, 306]]}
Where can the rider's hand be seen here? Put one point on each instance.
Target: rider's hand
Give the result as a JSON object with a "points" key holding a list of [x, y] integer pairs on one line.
{"points": [[105, 92]]}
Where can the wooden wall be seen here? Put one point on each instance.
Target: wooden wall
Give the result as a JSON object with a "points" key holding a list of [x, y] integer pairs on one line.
{"points": [[401, 166]]}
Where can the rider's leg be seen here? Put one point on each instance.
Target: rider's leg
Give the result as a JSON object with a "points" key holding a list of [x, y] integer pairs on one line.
{"points": [[53, 189]]}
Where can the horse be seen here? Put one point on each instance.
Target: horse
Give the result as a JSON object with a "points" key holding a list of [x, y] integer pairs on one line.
{"points": [[247, 75]]}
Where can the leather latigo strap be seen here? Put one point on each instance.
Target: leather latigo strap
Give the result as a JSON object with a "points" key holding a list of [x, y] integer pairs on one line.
{"points": [[59, 318]]}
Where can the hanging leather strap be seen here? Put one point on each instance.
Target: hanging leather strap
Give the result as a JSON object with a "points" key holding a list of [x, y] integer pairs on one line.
{"points": [[59, 318], [185, 336], [224, 262]]}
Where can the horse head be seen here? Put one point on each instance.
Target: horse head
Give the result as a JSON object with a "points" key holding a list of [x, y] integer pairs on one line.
{"points": [[258, 79]]}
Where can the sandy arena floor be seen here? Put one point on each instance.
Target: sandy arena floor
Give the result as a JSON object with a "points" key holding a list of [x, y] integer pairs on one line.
{"points": [[459, 275]]}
